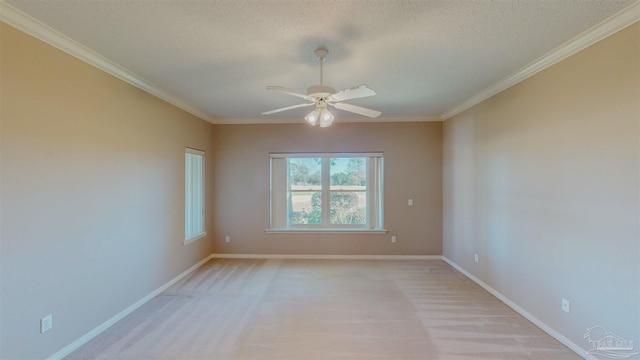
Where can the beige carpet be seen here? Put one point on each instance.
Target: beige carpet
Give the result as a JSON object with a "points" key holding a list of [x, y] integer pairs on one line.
{"points": [[324, 309]]}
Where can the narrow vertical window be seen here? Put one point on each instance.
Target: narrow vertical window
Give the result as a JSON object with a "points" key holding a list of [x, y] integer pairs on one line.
{"points": [[193, 195]]}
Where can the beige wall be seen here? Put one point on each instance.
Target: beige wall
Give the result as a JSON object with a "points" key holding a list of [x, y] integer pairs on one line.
{"points": [[542, 182], [92, 182], [412, 165]]}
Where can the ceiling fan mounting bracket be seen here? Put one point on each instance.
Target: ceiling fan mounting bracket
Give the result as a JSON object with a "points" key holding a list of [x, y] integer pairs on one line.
{"points": [[321, 53]]}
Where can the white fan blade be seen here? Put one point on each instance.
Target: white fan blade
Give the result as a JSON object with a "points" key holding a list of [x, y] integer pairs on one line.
{"points": [[355, 92], [290, 92], [357, 109], [287, 108]]}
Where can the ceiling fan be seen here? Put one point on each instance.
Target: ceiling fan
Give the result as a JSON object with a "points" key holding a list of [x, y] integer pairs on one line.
{"points": [[322, 96]]}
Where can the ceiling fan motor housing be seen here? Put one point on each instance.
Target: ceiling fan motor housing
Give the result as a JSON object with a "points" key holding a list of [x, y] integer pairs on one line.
{"points": [[320, 91]]}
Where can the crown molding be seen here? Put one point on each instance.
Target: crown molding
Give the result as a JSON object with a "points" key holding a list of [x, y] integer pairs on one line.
{"points": [[608, 27], [37, 29], [300, 120]]}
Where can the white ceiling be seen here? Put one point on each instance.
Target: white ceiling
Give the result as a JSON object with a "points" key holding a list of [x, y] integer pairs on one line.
{"points": [[422, 57]]}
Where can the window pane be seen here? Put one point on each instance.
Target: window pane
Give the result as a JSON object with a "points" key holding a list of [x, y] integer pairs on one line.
{"points": [[348, 195], [346, 208], [304, 192]]}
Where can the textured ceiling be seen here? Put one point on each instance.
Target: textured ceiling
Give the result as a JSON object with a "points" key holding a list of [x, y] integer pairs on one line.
{"points": [[422, 57]]}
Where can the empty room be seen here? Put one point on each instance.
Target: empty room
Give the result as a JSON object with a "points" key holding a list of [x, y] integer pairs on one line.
{"points": [[355, 179]]}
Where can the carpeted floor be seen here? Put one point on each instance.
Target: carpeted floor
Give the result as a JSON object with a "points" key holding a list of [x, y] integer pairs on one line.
{"points": [[324, 309]]}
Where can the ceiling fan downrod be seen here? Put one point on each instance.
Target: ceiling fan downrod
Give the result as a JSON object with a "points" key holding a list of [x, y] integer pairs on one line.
{"points": [[321, 53], [321, 91]]}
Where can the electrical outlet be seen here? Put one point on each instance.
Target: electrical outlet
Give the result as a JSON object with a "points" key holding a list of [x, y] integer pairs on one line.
{"points": [[566, 306], [46, 323], [475, 257], [227, 238], [410, 202], [393, 239]]}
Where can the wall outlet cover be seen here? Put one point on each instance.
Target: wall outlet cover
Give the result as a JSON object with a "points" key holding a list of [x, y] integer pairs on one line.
{"points": [[46, 323]]}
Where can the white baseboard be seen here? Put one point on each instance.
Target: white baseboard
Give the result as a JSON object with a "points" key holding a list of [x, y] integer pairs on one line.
{"points": [[327, 257], [107, 324], [544, 327]]}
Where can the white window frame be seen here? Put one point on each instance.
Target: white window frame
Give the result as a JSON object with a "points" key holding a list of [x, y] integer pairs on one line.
{"points": [[278, 220], [194, 199]]}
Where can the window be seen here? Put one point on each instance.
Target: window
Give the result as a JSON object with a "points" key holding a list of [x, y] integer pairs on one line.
{"points": [[193, 195], [326, 192]]}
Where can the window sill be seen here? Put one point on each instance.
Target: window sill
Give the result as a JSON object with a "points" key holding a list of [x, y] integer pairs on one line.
{"points": [[326, 231], [199, 236]]}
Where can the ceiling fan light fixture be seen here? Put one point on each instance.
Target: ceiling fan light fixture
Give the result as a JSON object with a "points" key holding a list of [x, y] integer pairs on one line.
{"points": [[326, 118], [313, 117]]}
